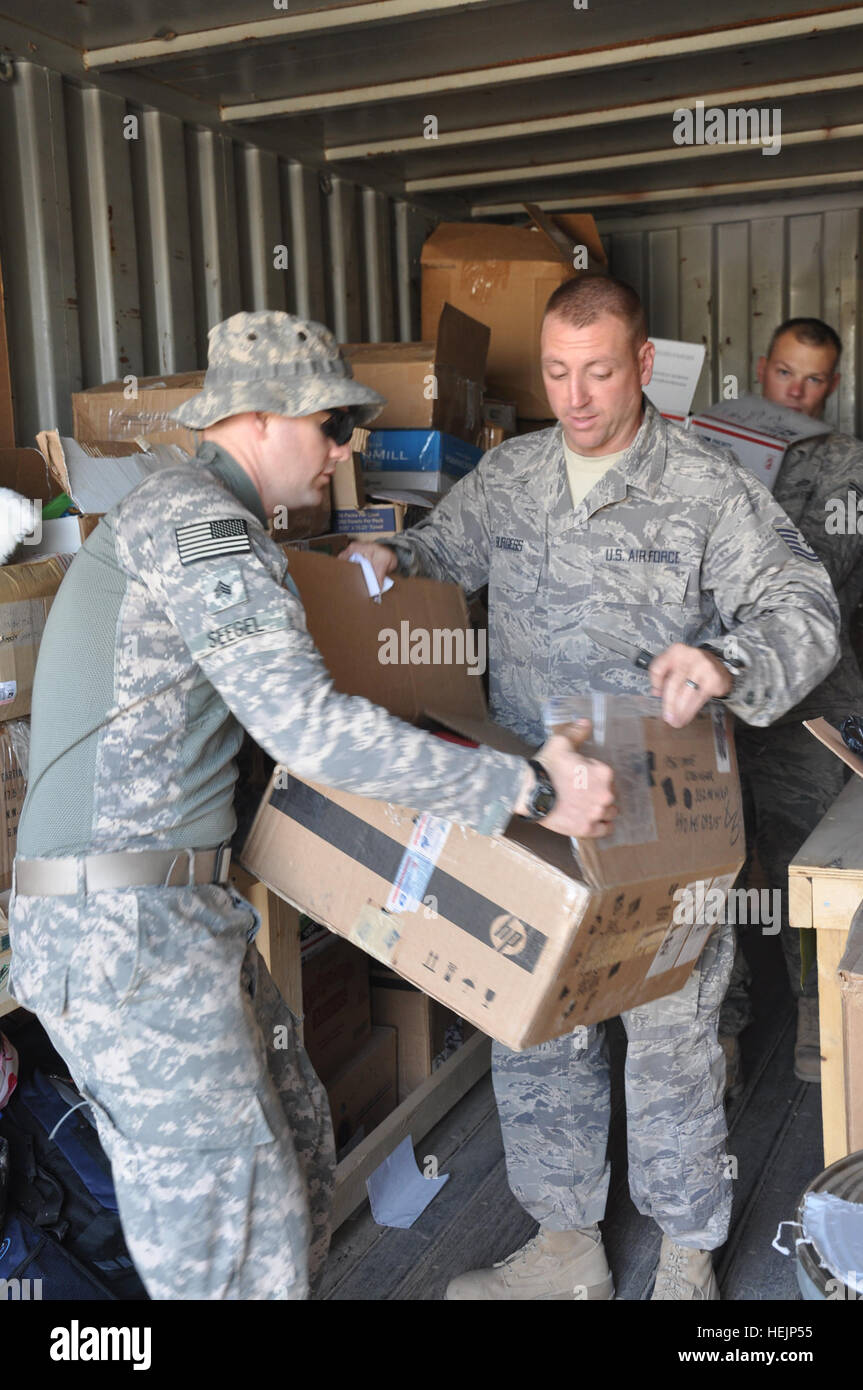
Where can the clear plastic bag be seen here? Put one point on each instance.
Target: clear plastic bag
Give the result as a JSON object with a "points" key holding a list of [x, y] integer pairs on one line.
{"points": [[617, 738]]}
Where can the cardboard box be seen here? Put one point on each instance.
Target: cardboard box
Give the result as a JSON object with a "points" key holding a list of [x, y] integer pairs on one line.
{"points": [[26, 472], [14, 787], [348, 488], [851, 987], [422, 1026], [433, 385], [330, 544], [421, 461], [337, 1017], [107, 413], [304, 522], [364, 1091], [511, 933], [26, 594], [757, 432], [503, 276], [371, 522]]}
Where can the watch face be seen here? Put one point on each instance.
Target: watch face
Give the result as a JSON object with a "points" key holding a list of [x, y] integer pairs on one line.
{"points": [[542, 802], [543, 796]]}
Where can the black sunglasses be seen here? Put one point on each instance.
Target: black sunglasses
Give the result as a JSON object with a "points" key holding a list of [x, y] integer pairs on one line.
{"points": [[340, 425]]}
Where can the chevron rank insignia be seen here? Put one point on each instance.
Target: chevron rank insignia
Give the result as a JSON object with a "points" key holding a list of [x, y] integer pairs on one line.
{"points": [[225, 589], [205, 540], [795, 542]]}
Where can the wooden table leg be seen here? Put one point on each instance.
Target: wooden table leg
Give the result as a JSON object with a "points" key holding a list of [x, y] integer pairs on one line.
{"points": [[831, 945]]}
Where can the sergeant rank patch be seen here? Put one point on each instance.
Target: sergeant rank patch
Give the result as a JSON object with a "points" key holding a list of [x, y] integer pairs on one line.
{"points": [[204, 540], [794, 540]]}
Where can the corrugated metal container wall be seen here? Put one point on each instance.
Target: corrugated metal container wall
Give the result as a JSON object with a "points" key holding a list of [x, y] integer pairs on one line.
{"points": [[728, 277], [125, 234]]}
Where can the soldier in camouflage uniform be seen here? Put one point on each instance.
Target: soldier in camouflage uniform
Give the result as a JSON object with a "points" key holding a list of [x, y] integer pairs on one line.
{"points": [[789, 779], [671, 547], [178, 625]]}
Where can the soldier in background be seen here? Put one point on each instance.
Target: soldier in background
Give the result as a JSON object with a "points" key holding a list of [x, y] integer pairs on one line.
{"points": [[617, 519], [177, 626], [789, 779]]}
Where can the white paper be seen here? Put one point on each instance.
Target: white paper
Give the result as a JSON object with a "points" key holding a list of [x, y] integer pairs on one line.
{"points": [[676, 369], [398, 1192], [374, 588]]}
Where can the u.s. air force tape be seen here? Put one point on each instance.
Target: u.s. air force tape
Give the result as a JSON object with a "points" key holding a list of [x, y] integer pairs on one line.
{"points": [[204, 540]]}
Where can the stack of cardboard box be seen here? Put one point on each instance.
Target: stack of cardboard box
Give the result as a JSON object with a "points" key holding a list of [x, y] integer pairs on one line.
{"points": [[428, 434], [356, 1062], [503, 276], [119, 418]]}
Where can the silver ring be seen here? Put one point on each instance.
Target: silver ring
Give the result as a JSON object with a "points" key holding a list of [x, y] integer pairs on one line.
{"points": [[693, 685]]}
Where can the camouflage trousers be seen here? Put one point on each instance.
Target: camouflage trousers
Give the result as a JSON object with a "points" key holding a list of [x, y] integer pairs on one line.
{"points": [[554, 1106], [789, 781], [217, 1127]]}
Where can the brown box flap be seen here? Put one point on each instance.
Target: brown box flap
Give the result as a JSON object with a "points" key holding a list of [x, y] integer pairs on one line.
{"points": [[346, 623], [26, 472], [452, 243]]}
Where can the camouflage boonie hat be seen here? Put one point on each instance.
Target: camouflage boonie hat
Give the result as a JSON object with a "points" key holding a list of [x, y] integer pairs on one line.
{"points": [[275, 362]]}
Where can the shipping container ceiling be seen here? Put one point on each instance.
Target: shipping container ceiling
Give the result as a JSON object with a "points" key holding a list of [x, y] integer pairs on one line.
{"points": [[304, 125], [568, 103]]}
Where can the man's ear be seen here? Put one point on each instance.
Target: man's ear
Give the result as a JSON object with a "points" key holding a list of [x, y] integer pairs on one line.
{"points": [[646, 355], [761, 370]]}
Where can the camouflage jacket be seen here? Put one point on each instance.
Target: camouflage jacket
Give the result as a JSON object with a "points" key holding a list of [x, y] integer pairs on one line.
{"points": [[177, 624], [815, 474], [675, 543]]}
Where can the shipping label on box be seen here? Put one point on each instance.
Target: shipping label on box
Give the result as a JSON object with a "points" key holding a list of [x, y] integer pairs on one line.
{"points": [[370, 521]]}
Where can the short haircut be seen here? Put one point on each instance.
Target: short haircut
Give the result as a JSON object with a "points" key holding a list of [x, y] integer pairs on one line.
{"points": [[812, 331], [581, 301]]}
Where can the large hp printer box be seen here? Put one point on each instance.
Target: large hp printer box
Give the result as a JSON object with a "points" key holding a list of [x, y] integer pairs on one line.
{"points": [[512, 932]]}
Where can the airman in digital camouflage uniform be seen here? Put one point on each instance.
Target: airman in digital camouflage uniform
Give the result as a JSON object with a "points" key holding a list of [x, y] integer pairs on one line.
{"points": [[789, 779], [615, 519], [177, 626]]}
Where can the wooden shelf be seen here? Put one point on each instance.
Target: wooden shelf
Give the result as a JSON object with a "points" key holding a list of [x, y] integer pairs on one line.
{"points": [[825, 888], [279, 944]]}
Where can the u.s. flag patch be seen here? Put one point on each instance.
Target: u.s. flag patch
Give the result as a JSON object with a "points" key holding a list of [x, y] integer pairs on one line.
{"points": [[793, 539], [203, 540]]}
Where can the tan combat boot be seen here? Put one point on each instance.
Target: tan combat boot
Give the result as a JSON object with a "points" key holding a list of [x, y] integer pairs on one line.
{"points": [[807, 1049], [554, 1266], [684, 1273]]}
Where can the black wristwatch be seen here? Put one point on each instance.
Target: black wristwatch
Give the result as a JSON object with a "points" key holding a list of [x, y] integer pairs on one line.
{"points": [[542, 798], [732, 665]]}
